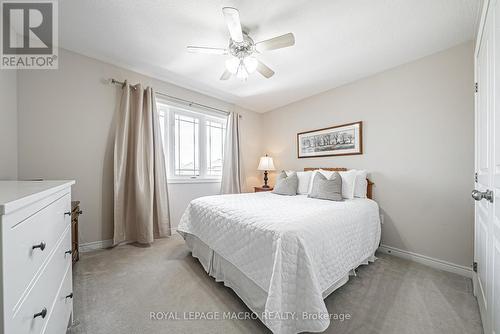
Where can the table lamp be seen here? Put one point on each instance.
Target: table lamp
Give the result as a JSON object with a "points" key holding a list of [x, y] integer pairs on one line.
{"points": [[266, 164]]}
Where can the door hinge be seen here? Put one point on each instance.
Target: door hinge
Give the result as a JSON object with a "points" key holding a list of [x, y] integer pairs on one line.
{"points": [[476, 87], [475, 177], [474, 267]]}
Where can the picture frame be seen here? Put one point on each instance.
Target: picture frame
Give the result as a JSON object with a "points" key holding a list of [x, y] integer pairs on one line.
{"points": [[345, 139]]}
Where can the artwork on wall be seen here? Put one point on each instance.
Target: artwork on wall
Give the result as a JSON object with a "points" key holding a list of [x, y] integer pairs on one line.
{"points": [[343, 139]]}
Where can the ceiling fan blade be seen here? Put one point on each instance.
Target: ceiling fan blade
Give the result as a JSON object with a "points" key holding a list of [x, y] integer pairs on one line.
{"points": [[264, 70], [226, 75], [202, 49], [279, 42], [232, 17]]}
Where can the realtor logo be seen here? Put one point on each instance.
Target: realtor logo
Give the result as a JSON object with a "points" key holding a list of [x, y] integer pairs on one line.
{"points": [[29, 35]]}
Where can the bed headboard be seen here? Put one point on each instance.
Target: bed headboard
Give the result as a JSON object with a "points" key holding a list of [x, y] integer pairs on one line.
{"points": [[369, 188]]}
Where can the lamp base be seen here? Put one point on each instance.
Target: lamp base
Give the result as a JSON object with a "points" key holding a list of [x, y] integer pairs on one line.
{"points": [[265, 180]]}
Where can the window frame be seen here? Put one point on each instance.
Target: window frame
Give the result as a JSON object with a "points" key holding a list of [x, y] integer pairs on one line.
{"points": [[173, 108], [208, 156]]}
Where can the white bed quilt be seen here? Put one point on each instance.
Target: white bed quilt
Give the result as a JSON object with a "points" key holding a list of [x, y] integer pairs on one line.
{"points": [[293, 247]]}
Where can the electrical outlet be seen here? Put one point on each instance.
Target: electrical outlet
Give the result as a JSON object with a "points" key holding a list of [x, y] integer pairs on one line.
{"points": [[381, 218]]}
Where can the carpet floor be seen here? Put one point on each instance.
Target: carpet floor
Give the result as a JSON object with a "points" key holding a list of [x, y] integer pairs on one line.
{"points": [[116, 291]]}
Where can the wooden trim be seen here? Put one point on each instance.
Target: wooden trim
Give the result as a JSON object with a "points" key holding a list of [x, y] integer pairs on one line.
{"points": [[369, 187], [75, 212], [333, 127], [335, 169]]}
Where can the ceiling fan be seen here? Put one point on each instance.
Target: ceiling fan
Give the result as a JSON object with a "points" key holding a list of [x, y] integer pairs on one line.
{"points": [[243, 49]]}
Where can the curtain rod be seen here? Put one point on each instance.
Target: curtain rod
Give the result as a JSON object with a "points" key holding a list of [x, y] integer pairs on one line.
{"points": [[190, 103]]}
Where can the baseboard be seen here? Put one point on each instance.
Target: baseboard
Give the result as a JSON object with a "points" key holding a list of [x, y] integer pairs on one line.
{"points": [[102, 244], [422, 259], [96, 245], [428, 261], [419, 258]]}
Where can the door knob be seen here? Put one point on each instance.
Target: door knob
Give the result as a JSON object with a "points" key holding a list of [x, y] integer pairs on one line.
{"points": [[479, 195]]}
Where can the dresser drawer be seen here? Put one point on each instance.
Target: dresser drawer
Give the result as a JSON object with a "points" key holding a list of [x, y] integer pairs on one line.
{"points": [[47, 226], [42, 294], [63, 307]]}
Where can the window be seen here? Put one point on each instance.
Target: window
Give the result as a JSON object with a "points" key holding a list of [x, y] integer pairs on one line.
{"points": [[194, 144], [186, 145], [216, 134]]}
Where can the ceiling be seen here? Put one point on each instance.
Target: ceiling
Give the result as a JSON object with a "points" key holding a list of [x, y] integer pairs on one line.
{"points": [[337, 41]]}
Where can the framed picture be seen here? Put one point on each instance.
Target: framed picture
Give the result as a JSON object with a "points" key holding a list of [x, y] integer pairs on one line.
{"points": [[343, 139]]}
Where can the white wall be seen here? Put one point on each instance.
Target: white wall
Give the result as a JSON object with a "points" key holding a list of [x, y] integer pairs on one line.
{"points": [[8, 124], [66, 132], [418, 122], [418, 131]]}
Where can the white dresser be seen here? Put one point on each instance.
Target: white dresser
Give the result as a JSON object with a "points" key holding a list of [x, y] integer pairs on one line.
{"points": [[35, 263]]}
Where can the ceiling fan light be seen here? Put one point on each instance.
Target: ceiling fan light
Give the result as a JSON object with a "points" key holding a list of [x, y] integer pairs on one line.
{"points": [[232, 65], [242, 72], [250, 64]]}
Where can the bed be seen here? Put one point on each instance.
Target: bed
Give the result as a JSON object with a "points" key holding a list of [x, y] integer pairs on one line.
{"points": [[282, 255]]}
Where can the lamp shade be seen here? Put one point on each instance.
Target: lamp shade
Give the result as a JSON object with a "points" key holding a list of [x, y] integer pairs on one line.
{"points": [[266, 163]]}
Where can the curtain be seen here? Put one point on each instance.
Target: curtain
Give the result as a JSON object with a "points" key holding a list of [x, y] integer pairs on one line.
{"points": [[232, 175], [141, 210]]}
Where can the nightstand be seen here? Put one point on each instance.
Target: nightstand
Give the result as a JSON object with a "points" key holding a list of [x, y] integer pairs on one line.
{"points": [[259, 189]]}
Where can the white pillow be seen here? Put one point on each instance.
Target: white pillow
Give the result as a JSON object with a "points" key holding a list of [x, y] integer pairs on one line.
{"points": [[361, 184], [304, 181], [348, 183]]}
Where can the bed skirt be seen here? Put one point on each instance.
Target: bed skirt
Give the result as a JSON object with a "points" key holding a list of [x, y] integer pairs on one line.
{"points": [[249, 292]]}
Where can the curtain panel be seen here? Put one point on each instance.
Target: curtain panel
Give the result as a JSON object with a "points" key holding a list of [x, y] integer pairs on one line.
{"points": [[232, 174], [141, 210]]}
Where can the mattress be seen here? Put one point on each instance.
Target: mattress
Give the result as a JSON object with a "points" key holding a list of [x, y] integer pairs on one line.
{"points": [[293, 249]]}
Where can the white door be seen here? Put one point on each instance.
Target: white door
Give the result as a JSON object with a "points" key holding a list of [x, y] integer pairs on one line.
{"points": [[493, 28], [487, 162]]}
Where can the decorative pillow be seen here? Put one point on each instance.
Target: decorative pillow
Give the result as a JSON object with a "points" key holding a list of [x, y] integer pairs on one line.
{"points": [[286, 185], [326, 173], [323, 188], [304, 181], [348, 179], [361, 184], [313, 175]]}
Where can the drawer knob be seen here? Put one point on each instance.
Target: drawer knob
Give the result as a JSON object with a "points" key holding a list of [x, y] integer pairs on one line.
{"points": [[40, 245], [42, 314], [70, 296], [67, 213], [68, 252]]}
